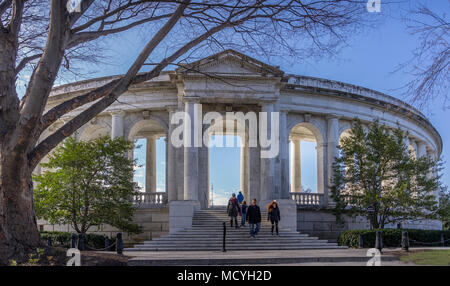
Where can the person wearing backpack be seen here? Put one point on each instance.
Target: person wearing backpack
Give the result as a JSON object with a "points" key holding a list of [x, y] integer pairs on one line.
{"points": [[233, 210]]}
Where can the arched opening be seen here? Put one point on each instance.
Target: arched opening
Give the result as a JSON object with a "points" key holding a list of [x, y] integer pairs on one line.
{"points": [[150, 153], [228, 168], [306, 159], [224, 169]]}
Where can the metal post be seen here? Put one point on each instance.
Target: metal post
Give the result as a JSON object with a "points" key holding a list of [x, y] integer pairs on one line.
{"points": [[379, 240], [119, 243], [106, 243], [80, 241], [49, 241], [224, 235], [405, 241], [360, 241], [442, 239], [74, 240]]}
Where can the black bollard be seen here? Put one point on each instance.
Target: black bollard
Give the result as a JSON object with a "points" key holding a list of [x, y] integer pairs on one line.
{"points": [[80, 242], [106, 243], [49, 241], [442, 239], [74, 240], [379, 240], [360, 241], [405, 241], [119, 243], [224, 235]]}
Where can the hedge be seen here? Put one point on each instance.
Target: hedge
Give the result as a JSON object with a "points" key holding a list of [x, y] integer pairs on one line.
{"points": [[393, 237], [64, 239]]}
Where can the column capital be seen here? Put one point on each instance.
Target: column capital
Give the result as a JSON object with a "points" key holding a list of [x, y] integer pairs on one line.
{"points": [[117, 113], [191, 99], [295, 137], [332, 116]]}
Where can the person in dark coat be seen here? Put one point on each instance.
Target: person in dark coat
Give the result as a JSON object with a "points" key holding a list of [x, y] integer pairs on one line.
{"points": [[233, 210], [254, 218], [273, 214]]}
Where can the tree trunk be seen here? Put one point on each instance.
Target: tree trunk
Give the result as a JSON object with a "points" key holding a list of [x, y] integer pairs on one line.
{"points": [[19, 235]]}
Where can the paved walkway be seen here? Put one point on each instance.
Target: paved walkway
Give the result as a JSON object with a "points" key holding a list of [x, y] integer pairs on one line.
{"points": [[325, 257], [267, 257]]}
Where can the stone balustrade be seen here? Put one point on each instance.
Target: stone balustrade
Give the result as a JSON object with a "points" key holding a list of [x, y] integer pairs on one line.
{"points": [[307, 200], [149, 200]]}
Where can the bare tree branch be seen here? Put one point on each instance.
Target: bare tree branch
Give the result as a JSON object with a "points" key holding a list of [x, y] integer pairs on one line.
{"points": [[430, 63], [117, 89]]}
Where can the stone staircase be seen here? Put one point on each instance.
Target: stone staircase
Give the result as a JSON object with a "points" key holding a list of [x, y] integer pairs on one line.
{"points": [[206, 234]]}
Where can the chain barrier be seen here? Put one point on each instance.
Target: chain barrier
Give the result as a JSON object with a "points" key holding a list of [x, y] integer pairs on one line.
{"points": [[99, 249]]}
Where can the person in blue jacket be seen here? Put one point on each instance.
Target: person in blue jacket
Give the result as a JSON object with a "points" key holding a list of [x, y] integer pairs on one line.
{"points": [[240, 197]]}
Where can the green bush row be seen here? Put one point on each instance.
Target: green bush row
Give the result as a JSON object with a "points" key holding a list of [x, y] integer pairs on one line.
{"points": [[393, 237], [64, 239]]}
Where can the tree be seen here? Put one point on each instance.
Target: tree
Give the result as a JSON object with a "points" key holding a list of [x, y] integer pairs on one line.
{"points": [[444, 207], [44, 39], [430, 63], [88, 183], [376, 171]]}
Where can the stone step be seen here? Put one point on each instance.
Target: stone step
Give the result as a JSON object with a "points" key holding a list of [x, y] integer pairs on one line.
{"points": [[238, 239], [206, 234], [234, 245], [236, 236], [275, 247]]}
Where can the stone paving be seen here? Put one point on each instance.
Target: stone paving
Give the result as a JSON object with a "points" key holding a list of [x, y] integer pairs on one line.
{"points": [[328, 257]]}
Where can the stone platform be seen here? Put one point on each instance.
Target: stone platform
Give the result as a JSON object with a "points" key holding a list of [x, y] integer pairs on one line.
{"points": [[265, 257]]}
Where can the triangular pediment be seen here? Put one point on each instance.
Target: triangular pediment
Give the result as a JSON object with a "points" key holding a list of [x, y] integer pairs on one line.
{"points": [[230, 62]]}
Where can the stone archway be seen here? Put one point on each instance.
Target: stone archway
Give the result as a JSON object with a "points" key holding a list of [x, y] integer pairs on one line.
{"points": [[151, 133], [218, 137]]}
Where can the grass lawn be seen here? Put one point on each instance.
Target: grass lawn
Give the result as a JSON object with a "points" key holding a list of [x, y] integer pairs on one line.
{"points": [[428, 257]]}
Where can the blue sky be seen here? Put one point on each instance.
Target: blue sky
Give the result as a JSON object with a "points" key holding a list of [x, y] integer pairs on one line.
{"points": [[368, 60]]}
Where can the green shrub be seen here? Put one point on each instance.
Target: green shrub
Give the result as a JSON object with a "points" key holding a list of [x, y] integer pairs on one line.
{"points": [[64, 239], [393, 237]]}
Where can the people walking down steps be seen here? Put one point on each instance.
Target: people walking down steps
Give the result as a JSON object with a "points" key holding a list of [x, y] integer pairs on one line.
{"points": [[244, 208], [254, 218], [233, 210], [273, 214]]}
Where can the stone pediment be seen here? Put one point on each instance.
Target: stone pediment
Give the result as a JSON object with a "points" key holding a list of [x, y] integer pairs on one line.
{"points": [[230, 63]]}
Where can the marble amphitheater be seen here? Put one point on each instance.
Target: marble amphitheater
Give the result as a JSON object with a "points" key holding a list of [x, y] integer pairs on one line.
{"points": [[310, 109]]}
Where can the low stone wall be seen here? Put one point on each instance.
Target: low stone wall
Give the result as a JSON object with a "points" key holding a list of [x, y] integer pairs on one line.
{"points": [[154, 223], [322, 223]]}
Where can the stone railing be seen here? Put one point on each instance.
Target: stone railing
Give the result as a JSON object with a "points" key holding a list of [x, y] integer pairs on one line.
{"points": [[308, 200], [158, 199]]}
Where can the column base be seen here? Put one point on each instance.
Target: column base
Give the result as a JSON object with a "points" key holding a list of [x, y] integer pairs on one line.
{"points": [[181, 214]]}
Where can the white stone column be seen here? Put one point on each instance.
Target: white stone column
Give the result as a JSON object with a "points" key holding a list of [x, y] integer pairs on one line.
{"points": [[284, 157], [332, 153], [421, 149], [203, 176], [296, 169], [244, 166], [267, 164], [254, 190], [190, 152], [171, 163], [150, 165], [117, 124], [413, 144], [321, 170]]}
